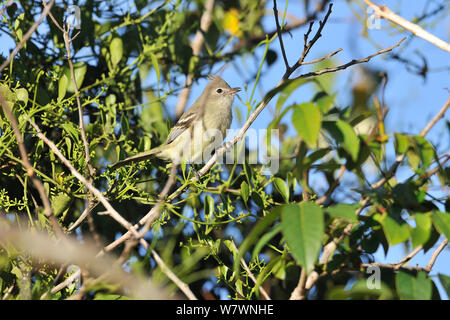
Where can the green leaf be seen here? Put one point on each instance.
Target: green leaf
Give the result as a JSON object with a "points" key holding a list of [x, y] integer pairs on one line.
{"points": [[22, 95], [303, 227], [441, 221], [79, 70], [8, 95], [413, 287], [124, 125], [421, 233], [445, 282], [343, 210], [244, 191], [344, 134], [256, 197], [62, 87], [156, 67], [307, 119], [413, 159], [60, 203], [424, 150], [282, 188], [116, 50], [324, 101], [394, 231], [402, 143], [286, 92]]}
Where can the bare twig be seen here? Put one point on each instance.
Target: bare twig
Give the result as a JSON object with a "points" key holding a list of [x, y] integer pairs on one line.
{"points": [[328, 56], [196, 45], [333, 186], [351, 63], [249, 41], [249, 272], [385, 13], [435, 119], [401, 264]]}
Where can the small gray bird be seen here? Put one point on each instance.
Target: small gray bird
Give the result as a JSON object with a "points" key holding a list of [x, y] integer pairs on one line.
{"points": [[199, 130]]}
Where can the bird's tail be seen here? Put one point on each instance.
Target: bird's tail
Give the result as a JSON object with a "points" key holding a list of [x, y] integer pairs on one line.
{"points": [[139, 157]]}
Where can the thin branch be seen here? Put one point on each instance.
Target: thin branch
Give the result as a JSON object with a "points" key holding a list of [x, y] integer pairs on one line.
{"points": [[436, 254], [90, 171], [308, 45], [280, 38], [250, 41], [328, 56], [299, 292], [401, 264], [249, 272], [180, 284], [351, 63], [385, 13]]}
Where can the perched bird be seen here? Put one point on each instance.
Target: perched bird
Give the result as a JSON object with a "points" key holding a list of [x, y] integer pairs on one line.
{"points": [[199, 130]]}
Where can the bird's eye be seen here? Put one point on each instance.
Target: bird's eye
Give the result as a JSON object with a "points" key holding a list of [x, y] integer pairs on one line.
{"points": [[219, 90]]}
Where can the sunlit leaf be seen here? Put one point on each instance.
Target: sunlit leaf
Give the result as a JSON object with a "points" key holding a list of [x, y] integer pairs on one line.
{"points": [[303, 227], [413, 287]]}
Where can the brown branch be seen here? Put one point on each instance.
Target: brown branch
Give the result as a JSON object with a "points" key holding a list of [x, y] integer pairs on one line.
{"points": [[41, 247], [401, 264], [250, 41], [196, 45], [435, 119], [333, 186], [351, 63], [385, 13], [436, 254], [328, 56], [280, 38]]}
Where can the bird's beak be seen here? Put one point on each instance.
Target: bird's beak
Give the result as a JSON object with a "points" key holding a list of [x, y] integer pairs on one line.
{"points": [[234, 90]]}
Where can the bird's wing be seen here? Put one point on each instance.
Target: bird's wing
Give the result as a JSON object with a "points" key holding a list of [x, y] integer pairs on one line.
{"points": [[186, 120]]}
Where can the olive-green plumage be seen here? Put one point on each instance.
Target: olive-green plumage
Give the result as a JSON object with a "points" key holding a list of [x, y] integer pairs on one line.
{"points": [[199, 130]]}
